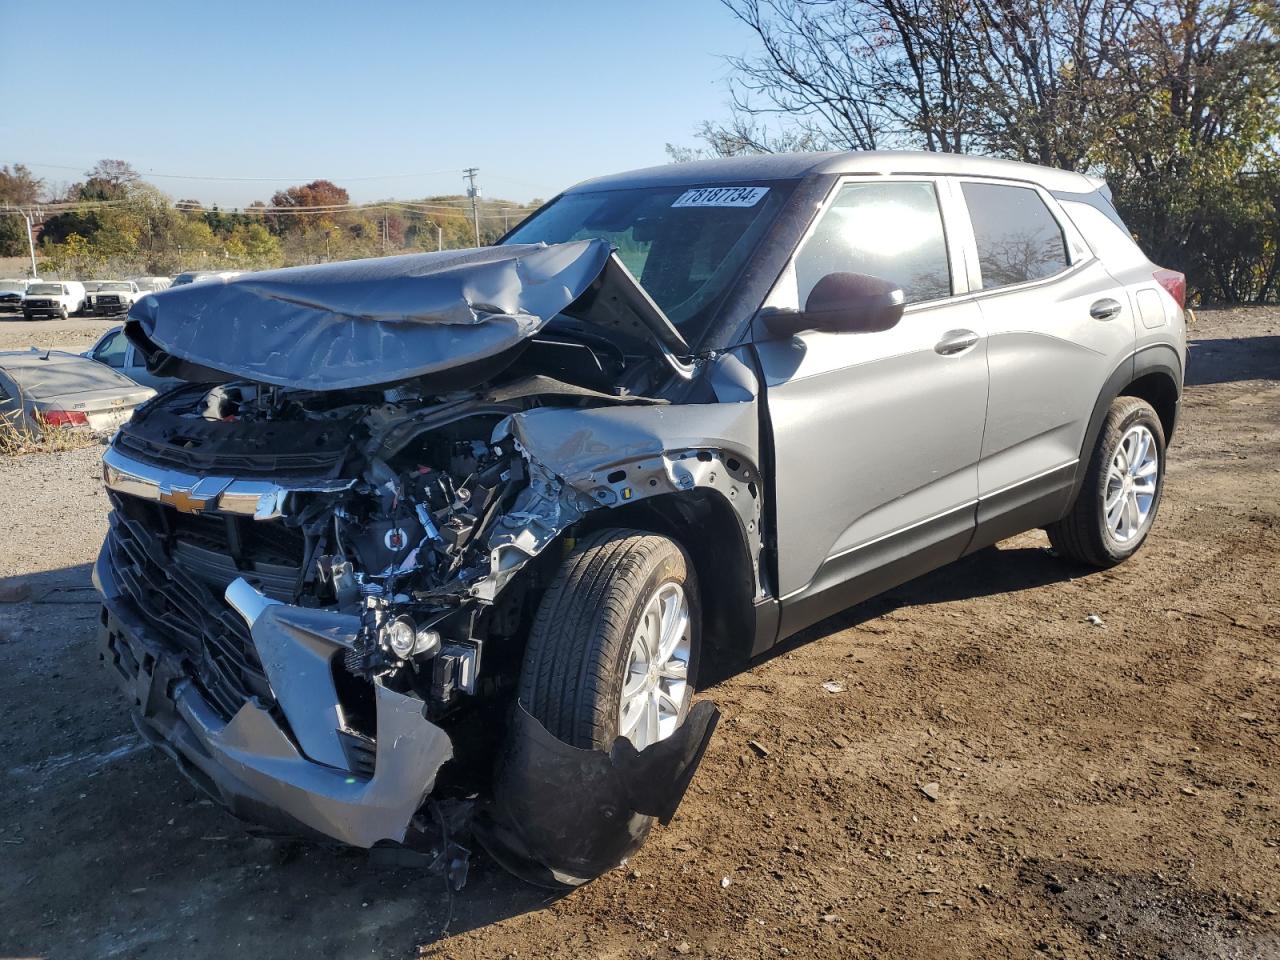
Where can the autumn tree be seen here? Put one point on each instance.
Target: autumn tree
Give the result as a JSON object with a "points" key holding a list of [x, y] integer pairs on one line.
{"points": [[18, 188], [1177, 102]]}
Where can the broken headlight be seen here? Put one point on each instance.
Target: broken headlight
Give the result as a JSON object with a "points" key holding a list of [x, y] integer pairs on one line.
{"points": [[404, 639]]}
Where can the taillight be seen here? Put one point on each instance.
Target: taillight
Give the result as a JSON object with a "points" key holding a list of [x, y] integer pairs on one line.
{"points": [[64, 418], [1175, 283]]}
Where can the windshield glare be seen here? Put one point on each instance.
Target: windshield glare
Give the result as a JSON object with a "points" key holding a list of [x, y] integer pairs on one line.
{"points": [[684, 244], [45, 288], [113, 286]]}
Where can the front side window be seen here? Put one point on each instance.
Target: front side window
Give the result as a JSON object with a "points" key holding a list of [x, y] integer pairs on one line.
{"points": [[1018, 238], [891, 230], [685, 244], [111, 350]]}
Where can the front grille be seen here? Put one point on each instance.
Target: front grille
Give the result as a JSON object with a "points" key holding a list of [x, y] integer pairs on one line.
{"points": [[175, 568], [108, 300], [39, 303]]}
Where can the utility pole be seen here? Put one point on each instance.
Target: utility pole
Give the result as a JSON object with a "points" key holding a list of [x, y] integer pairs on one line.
{"points": [[31, 245], [28, 219], [474, 193]]}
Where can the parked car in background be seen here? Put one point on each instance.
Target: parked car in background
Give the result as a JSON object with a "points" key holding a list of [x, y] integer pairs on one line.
{"points": [[52, 298], [112, 298], [62, 389], [114, 349], [200, 276], [11, 292], [152, 284]]}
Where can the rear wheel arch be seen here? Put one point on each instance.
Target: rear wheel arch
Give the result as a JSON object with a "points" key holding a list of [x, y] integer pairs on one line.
{"points": [[1153, 374], [1160, 389]]}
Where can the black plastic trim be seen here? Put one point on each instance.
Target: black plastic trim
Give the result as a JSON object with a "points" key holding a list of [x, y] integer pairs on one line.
{"points": [[865, 571]]}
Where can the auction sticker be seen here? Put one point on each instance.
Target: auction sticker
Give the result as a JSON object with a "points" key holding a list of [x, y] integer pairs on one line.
{"points": [[721, 197]]}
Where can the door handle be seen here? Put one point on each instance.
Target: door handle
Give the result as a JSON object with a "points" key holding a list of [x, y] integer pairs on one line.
{"points": [[956, 341], [1104, 309]]}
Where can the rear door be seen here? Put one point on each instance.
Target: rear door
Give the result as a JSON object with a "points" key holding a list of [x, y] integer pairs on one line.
{"points": [[1057, 326], [876, 436]]}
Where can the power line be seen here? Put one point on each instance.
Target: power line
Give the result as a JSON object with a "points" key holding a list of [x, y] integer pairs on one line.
{"points": [[190, 176]]}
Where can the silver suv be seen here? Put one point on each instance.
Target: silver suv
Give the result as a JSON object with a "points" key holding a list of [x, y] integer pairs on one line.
{"points": [[498, 506]]}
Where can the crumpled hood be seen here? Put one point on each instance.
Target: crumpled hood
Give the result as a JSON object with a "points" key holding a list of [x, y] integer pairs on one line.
{"points": [[365, 322]]}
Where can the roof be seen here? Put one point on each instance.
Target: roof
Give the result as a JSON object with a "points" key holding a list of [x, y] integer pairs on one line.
{"points": [[62, 373], [795, 166], [22, 359]]}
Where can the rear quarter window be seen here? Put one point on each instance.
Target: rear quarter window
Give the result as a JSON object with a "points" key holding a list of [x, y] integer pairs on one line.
{"points": [[1110, 242]]}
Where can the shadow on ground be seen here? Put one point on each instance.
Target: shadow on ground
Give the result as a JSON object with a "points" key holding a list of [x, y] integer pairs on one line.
{"points": [[1232, 360], [992, 570], [106, 850]]}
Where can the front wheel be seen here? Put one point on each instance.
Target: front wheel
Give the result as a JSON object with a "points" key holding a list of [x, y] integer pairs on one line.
{"points": [[1117, 503], [614, 648]]}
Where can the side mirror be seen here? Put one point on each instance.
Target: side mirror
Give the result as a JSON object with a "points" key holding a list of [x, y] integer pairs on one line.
{"points": [[842, 303]]}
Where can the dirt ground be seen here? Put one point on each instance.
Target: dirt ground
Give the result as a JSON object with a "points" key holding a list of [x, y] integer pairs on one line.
{"points": [[76, 334], [1108, 790]]}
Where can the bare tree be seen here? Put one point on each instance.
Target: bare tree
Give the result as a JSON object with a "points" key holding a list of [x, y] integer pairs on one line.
{"points": [[1018, 78], [855, 74]]}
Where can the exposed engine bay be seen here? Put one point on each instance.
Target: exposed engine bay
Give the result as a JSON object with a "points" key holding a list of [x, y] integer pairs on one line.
{"points": [[412, 498]]}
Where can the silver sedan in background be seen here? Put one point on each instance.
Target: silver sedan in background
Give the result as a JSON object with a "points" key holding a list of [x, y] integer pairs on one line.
{"points": [[65, 390]]}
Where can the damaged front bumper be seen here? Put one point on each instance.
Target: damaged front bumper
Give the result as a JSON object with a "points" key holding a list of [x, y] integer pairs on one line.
{"points": [[283, 767]]}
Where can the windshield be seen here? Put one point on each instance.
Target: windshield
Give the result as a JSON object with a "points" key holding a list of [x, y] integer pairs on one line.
{"points": [[114, 287], [684, 244], [45, 289], [7, 285], [150, 285]]}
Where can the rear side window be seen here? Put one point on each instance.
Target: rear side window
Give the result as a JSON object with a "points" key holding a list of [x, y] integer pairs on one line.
{"points": [[111, 350], [891, 230], [1018, 238]]}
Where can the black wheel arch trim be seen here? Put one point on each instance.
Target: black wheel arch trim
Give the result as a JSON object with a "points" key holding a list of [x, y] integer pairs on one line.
{"points": [[1155, 359]]}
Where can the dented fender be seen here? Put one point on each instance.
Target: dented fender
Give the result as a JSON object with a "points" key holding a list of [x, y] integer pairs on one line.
{"points": [[607, 457]]}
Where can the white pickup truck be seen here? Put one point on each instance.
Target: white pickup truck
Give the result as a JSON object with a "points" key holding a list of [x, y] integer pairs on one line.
{"points": [[112, 298], [52, 298]]}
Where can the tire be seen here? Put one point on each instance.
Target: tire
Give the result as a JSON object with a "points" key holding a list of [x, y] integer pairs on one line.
{"points": [[63, 314], [1087, 534], [580, 648]]}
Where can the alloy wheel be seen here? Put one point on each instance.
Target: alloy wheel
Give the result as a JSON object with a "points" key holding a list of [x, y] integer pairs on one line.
{"points": [[1131, 483], [655, 684]]}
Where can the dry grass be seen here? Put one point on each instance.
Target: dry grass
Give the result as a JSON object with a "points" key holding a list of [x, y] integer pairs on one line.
{"points": [[19, 438]]}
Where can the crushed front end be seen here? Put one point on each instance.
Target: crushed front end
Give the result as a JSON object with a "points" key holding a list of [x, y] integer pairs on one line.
{"points": [[289, 590], [326, 547]]}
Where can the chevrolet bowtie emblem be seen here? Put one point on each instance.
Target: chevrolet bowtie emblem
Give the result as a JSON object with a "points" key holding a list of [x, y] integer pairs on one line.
{"points": [[183, 501]]}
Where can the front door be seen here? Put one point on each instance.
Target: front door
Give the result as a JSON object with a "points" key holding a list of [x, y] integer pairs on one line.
{"points": [[876, 436]]}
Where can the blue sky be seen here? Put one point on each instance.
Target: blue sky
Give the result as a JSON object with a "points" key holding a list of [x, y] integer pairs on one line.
{"points": [[538, 95]]}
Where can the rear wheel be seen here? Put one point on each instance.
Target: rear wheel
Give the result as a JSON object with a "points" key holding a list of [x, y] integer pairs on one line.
{"points": [[614, 647], [1117, 503]]}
